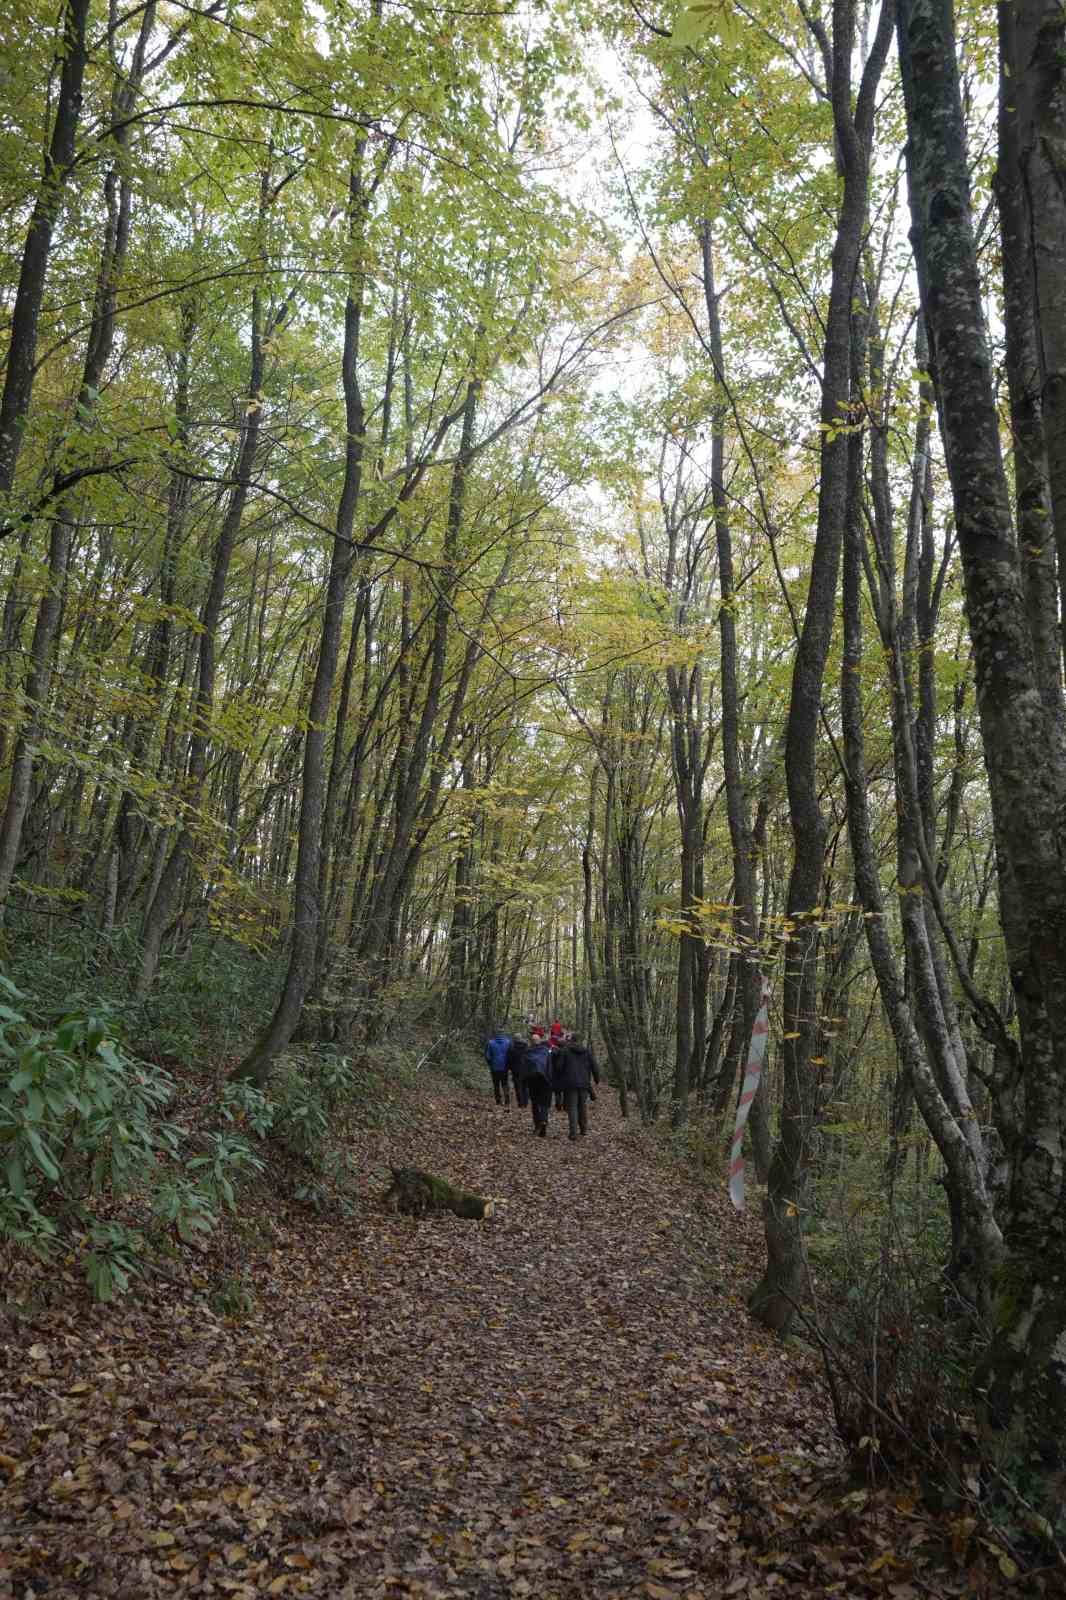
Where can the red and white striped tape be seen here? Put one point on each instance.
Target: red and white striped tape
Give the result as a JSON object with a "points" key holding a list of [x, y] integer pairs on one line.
{"points": [[750, 1088]]}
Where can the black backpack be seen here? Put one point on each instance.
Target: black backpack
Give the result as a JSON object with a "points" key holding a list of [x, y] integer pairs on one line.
{"points": [[538, 1062]]}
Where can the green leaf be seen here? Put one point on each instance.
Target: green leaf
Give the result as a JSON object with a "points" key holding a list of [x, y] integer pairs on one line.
{"points": [[691, 26], [44, 1159]]}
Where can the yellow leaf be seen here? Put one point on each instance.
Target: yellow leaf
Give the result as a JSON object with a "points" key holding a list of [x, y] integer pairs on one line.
{"points": [[1007, 1567]]}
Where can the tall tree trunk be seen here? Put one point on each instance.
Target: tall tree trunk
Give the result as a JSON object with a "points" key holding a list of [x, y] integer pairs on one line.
{"points": [[774, 1299], [1023, 1377], [129, 825], [1021, 180], [738, 812], [22, 349], [257, 1064], [161, 904], [118, 202]]}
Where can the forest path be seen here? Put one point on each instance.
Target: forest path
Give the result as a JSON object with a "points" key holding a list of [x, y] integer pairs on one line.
{"points": [[567, 1400], [552, 1396]]}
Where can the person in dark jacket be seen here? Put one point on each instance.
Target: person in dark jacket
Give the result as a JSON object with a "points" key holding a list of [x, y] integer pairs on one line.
{"points": [[539, 1084], [516, 1066], [575, 1073], [496, 1056]]}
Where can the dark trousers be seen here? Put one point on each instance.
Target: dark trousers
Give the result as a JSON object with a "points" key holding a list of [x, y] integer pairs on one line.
{"points": [[501, 1089], [577, 1110], [521, 1091], [540, 1100]]}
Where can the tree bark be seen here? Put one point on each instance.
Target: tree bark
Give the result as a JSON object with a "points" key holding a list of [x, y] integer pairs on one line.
{"points": [[58, 162], [1022, 1379], [774, 1299], [257, 1064]]}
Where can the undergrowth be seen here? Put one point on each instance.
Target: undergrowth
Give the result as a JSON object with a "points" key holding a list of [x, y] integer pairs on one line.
{"points": [[116, 1157]]}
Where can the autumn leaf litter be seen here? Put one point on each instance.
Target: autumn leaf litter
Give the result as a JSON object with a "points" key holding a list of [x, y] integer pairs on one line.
{"points": [[567, 1400]]}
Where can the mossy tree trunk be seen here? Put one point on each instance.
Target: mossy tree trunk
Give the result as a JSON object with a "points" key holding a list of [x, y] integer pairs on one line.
{"points": [[414, 1193], [1022, 1379]]}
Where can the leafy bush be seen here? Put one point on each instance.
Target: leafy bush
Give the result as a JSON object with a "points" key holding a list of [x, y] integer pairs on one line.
{"points": [[185, 1206], [311, 1097], [244, 1103], [230, 1158], [204, 1001], [232, 1297], [81, 1119], [462, 1065], [113, 1259], [77, 1114]]}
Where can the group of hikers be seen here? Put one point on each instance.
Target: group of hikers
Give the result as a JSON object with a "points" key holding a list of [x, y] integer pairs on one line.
{"points": [[552, 1065]]}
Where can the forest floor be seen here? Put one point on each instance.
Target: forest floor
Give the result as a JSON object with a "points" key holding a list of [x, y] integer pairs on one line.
{"points": [[566, 1400]]}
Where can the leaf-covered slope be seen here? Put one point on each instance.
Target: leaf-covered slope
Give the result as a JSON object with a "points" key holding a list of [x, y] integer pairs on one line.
{"points": [[568, 1400]]}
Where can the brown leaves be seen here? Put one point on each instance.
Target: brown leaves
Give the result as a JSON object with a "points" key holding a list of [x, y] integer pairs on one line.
{"points": [[554, 1404]]}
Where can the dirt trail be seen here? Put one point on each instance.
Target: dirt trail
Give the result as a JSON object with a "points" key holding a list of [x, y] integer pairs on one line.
{"points": [[567, 1400]]}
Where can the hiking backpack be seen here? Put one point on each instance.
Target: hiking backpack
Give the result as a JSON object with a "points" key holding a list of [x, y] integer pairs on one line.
{"points": [[496, 1051]]}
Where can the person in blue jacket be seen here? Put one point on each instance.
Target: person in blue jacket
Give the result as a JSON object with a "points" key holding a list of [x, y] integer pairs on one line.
{"points": [[496, 1056], [516, 1066]]}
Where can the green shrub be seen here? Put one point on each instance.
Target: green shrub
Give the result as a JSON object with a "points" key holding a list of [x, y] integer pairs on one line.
{"points": [[77, 1114], [311, 1096], [462, 1066], [113, 1259], [232, 1297], [230, 1158], [244, 1103], [206, 999], [80, 1121]]}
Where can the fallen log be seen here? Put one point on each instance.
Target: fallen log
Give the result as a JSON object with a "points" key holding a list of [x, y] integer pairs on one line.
{"points": [[414, 1193]]}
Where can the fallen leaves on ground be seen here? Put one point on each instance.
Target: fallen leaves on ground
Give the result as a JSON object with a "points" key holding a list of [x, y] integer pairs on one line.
{"points": [[568, 1400]]}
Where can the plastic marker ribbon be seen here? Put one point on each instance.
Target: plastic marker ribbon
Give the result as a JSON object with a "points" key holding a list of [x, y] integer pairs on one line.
{"points": [[752, 1074]]}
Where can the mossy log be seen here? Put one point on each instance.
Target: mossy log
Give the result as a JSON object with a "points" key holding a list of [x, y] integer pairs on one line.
{"points": [[415, 1193]]}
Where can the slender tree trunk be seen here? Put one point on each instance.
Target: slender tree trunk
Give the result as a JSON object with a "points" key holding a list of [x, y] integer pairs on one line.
{"points": [[965, 1171], [22, 349], [257, 1065], [738, 811], [161, 904], [775, 1297], [18, 387]]}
